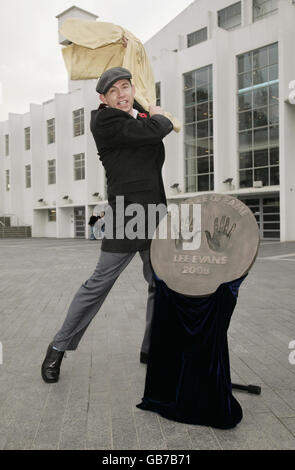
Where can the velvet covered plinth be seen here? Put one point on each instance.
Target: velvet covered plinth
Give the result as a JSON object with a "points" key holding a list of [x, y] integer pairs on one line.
{"points": [[188, 372]]}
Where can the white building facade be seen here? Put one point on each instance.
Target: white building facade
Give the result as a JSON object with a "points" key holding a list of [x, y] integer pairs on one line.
{"points": [[225, 70]]}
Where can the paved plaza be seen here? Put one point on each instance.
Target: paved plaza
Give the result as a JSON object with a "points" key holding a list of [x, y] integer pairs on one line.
{"points": [[93, 406]]}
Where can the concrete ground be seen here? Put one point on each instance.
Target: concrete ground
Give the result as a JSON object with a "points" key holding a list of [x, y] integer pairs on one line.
{"points": [[93, 406]]}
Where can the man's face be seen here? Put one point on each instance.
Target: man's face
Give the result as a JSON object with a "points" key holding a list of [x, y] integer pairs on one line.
{"points": [[120, 96]]}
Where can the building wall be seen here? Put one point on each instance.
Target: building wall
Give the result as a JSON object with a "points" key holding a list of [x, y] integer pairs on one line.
{"points": [[23, 202], [221, 50]]}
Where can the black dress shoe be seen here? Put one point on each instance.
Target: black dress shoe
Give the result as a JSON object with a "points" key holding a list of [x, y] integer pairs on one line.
{"points": [[51, 365], [144, 357]]}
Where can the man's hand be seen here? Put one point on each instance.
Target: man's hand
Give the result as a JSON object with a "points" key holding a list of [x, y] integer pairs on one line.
{"points": [[156, 110], [221, 234]]}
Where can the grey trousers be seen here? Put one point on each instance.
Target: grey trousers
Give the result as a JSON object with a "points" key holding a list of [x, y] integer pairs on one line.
{"points": [[92, 293]]}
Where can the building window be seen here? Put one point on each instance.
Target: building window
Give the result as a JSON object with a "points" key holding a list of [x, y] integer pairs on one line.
{"points": [[51, 171], [158, 94], [230, 17], [79, 166], [6, 145], [7, 180], [196, 37], [262, 8], [28, 176], [27, 138], [51, 131], [78, 122], [52, 215], [266, 210], [258, 116], [198, 130]]}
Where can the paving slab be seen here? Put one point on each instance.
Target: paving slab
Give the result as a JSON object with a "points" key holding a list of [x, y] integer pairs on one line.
{"points": [[93, 406]]}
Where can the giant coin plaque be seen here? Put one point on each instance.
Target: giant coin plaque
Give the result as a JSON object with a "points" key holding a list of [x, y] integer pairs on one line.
{"points": [[205, 241]]}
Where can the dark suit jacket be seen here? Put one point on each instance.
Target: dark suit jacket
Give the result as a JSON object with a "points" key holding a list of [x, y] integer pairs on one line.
{"points": [[132, 153]]}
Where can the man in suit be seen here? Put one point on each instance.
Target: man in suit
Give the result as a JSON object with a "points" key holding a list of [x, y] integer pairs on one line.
{"points": [[129, 143]]}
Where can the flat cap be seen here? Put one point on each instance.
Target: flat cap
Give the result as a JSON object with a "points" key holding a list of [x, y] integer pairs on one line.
{"points": [[110, 77]]}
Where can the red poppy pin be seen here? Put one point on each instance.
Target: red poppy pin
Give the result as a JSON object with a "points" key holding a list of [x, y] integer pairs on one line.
{"points": [[142, 115]]}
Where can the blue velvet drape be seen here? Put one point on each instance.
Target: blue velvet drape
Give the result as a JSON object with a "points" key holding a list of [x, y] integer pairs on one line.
{"points": [[188, 372]]}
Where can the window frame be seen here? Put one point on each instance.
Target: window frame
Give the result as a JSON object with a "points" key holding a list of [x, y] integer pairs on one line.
{"points": [[50, 131], [78, 122], [51, 171], [28, 176], [79, 166]]}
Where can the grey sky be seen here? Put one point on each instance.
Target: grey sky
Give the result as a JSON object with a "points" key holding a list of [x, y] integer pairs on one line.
{"points": [[31, 64]]}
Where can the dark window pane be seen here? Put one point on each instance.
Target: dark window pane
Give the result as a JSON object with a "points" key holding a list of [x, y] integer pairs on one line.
{"points": [[245, 120], [196, 37], [189, 80], [271, 210], [260, 97], [274, 114], [271, 234], [202, 93], [271, 217], [191, 149], [260, 76], [274, 94], [190, 114], [274, 175], [261, 157], [245, 140], [211, 163], [272, 226], [203, 183], [260, 117], [202, 76], [251, 202], [246, 160], [211, 127], [191, 166], [261, 174], [230, 16], [274, 156], [245, 101], [210, 109], [189, 97], [203, 165], [202, 111], [211, 182], [273, 72], [244, 80], [261, 137], [274, 135], [202, 147], [190, 131], [246, 178], [260, 58], [245, 63], [273, 54], [202, 129]]}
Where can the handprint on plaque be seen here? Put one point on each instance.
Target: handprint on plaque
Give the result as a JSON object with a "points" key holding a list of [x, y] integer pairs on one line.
{"points": [[187, 231], [221, 235]]}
